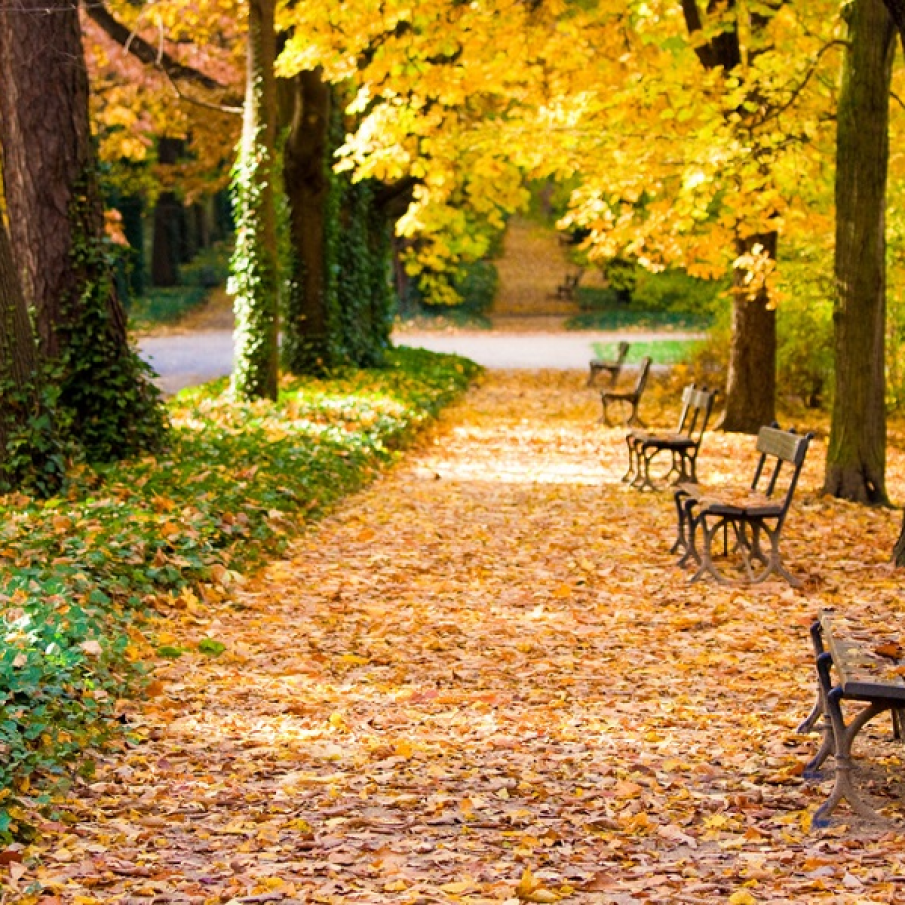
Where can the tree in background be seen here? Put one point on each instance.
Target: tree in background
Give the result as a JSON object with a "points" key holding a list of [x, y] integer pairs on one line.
{"points": [[56, 221], [30, 453], [856, 453]]}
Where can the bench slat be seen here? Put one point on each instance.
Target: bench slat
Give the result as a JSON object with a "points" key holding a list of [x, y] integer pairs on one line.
{"points": [[864, 674]]}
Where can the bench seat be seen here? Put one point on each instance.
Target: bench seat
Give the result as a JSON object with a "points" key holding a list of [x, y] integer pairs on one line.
{"points": [[746, 522], [683, 443], [854, 665]]}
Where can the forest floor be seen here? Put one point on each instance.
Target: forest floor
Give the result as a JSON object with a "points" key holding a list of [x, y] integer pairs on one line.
{"points": [[484, 680]]}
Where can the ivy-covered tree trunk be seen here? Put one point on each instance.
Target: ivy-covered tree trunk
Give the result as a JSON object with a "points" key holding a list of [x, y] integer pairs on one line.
{"points": [[29, 452], [309, 343], [254, 277], [856, 454], [56, 222]]}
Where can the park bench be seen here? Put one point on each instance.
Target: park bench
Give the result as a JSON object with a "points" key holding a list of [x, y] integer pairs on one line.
{"points": [[682, 444], [612, 366], [740, 519], [854, 664], [628, 397], [569, 286]]}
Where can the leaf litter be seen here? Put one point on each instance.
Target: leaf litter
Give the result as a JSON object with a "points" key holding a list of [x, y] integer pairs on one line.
{"points": [[484, 680]]}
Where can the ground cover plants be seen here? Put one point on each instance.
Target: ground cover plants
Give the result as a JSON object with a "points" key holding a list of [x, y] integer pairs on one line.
{"points": [[82, 573], [484, 680]]}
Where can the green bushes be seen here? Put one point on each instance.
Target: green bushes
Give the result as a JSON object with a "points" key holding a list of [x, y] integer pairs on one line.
{"points": [[77, 572]]}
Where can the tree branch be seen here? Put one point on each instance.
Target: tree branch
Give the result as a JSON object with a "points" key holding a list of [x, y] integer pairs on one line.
{"points": [[157, 57]]}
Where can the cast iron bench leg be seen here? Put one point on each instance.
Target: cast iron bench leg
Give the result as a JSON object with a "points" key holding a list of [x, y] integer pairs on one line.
{"points": [[843, 788], [630, 476]]}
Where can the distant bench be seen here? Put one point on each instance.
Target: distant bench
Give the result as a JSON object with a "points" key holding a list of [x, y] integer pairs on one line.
{"points": [[683, 444], [628, 396], [612, 366], [740, 518], [569, 285], [853, 664]]}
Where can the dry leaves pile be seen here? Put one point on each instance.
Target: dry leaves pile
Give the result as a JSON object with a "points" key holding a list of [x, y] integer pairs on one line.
{"points": [[484, 680]]}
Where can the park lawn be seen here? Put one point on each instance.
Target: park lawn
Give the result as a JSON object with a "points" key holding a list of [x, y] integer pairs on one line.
{"points": [[661, 351], [82, 572]]}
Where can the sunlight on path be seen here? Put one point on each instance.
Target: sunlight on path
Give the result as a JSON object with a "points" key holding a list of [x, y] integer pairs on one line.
{"points": [[484, 679]]}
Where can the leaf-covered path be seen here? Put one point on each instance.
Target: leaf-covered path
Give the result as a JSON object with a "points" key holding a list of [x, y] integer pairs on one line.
{"points": [[484, 680]]}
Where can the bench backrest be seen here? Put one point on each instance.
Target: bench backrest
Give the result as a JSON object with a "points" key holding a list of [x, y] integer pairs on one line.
{"points": [[621, 353], [697, 407], [642, 376], [782, 454]]}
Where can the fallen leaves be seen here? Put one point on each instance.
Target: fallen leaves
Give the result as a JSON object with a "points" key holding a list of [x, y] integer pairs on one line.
{"points": [[495, 687]]}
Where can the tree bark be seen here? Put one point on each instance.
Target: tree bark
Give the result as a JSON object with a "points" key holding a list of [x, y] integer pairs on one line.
{"points": [[255, 262], [37, 463], [46, 151], [56, 221], [856, 454], [307, 345], [751, 382]]}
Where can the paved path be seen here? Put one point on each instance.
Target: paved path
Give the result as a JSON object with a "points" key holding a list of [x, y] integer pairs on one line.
{"points": [[187, 359]]}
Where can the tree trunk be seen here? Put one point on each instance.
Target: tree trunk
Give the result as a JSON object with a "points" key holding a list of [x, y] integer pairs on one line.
{"points": [[308, 346], [255, 265], [856, 454], [57, 230], [29, 450], [751, 384], [166, 251]]}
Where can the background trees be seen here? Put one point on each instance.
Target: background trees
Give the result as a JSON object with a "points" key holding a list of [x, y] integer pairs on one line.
{"points": [[688, 135]]}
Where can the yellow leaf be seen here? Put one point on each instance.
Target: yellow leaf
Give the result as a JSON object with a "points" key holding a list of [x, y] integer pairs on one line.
{"points": [[742, 897]]}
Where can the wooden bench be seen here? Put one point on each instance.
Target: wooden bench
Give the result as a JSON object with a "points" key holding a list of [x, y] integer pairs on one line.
{"points": [[628, 397], [858, 665], [738, 518], [569, 286], [683, 444], [612, 366]]}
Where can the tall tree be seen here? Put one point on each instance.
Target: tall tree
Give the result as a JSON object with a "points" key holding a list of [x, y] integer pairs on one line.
{"points": [[29, 448], [750, 399], [310, 344], [57, 230], [254, 275], [856, 454], [896, 10]]}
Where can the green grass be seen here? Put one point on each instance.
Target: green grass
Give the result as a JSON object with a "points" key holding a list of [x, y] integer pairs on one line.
{"points": [[661, 352], [628, 318], [79, 572]]}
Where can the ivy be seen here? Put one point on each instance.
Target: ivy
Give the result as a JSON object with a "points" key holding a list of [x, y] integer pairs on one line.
{"points": [[110, 405], [356, 296], [254, 278]]}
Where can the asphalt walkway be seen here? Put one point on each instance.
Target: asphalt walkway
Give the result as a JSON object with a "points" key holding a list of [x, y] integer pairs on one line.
{"points": [[188, 359]]}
